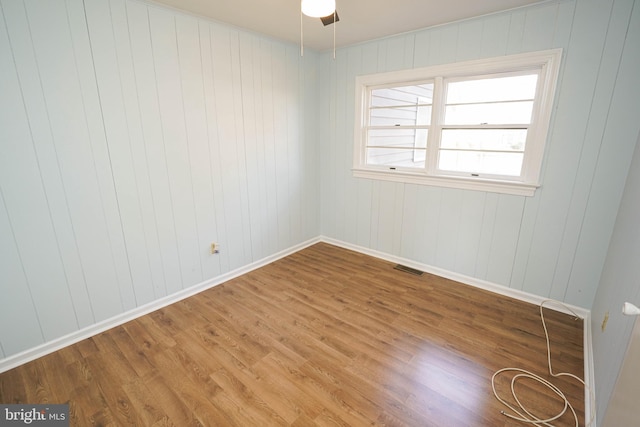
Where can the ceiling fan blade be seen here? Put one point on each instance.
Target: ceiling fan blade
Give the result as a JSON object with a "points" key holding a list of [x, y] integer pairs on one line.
{"points": [[328, 20]]}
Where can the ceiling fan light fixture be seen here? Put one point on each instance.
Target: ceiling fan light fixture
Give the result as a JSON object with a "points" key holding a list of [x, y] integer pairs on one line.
{"points": [[318, 8]]}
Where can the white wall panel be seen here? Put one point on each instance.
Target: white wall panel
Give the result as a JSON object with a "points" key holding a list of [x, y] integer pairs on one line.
{"points": [[309, 152], [103, 255], [398, 53], [155, 199], [363, 212], [504, 236], [495, 35], [176, 144], [517, 23], [55, 55], [432, 201], [374, 213], [339, 151], [280, 144], [442, 45], [564, 15], [294, 123], [411, 222], [34, 102], [265, 71], [353, 66], [17, 304], [365, 190], [25, 210], [449, 215], [469, 232], [195, 113], [326, 135], [138, 212], [468, 43], [214, 265], [226, 118], [539, 28], [485, 247], [398, 202], [114, 74], [244, 238], [247, 102], [421, 50]]}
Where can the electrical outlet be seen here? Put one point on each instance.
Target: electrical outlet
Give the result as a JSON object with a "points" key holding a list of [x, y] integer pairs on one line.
{"points": [[213, 248], [604, 321]]}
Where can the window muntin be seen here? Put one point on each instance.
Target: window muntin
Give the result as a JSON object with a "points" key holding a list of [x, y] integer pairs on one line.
{"points": [[505, 113], [478, 124]]}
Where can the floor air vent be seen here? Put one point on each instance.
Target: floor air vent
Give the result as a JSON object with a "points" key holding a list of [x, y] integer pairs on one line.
{"points": [[408, 269]]}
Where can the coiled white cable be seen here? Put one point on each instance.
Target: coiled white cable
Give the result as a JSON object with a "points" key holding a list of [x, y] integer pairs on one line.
{"points": [[524, 415]]}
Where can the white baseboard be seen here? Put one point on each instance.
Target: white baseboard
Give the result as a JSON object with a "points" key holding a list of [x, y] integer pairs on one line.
{"points": [[589, 375], [467, 280], [583, 313], [74, 337]]}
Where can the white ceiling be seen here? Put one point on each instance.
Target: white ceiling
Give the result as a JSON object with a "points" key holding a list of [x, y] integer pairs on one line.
{"points": [[360, 20]]}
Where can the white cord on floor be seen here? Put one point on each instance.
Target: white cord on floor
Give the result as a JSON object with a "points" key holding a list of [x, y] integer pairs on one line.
{"points": [[522, 414]]}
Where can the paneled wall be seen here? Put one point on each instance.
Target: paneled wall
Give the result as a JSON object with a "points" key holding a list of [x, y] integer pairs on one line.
{"points": [[131, 137], [552, 244], [620, 277], [619, 283]]}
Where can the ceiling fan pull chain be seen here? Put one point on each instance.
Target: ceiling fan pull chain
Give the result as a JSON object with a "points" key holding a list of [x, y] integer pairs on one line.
{"points": [[335, 13], [301, 35]]}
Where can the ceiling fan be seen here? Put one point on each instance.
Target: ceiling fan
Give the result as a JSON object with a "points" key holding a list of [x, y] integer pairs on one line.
{"points": [[323, 9], [318, 8]]}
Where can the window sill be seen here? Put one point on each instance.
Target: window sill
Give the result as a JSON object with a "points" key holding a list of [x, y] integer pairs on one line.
{"points": [[503, 187]]}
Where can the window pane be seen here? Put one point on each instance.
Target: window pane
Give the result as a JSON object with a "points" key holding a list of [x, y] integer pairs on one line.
{"points": [[403, 95], [397, 157], [484, 139], [512, 88], [415, 115], [504, 113], [407, 138], [481, 162]]}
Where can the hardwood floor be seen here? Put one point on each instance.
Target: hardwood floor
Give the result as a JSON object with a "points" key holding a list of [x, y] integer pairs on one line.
{"points": [[324, 337]]}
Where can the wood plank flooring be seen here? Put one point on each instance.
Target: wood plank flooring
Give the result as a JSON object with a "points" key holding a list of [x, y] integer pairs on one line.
{"points": [[323, 337]]}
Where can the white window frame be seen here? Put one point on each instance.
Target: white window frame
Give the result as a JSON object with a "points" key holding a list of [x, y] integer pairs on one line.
{"points": [[545, 63]]}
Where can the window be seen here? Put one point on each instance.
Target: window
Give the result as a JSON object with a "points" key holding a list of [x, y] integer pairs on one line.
{"points": [[476, 125]]}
